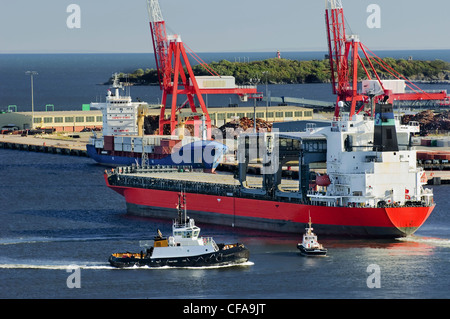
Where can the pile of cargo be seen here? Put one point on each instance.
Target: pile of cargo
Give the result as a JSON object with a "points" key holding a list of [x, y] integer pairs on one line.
{"points": [[234, 128], [151, 124], [429, 121]]}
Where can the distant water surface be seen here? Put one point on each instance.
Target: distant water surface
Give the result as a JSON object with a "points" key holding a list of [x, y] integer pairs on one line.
{"points": [[69, 80]]}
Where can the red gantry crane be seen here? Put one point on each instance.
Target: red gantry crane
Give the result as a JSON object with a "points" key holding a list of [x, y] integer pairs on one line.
{"points": [[174, 79], [344, 59]]}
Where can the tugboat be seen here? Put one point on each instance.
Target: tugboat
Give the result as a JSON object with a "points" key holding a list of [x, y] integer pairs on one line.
{"points": [[183, 249], [310, 246]]}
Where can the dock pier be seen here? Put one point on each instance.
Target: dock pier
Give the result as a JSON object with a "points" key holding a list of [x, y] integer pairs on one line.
{"points": [[31, 144]]}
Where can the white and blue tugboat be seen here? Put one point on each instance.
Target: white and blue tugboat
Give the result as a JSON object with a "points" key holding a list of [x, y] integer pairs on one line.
{"points": [[183, 249], [309, 245]]}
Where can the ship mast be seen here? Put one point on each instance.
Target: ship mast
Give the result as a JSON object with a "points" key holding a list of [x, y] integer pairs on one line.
{"points": [[181, 207]]}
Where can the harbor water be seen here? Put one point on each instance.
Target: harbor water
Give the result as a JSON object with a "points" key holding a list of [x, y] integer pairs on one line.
{"points": [[58, 220]]}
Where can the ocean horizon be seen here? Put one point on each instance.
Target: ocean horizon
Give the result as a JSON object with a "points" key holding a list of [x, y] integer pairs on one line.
{"points": [[68, 80]]}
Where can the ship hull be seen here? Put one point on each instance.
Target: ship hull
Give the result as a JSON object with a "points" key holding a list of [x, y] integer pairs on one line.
{"points": [[311, 251], [277, 216], [198, 156], [222, 257], [124, 159]]}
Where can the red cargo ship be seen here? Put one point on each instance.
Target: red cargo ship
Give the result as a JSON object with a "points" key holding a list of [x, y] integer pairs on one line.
{"points": [[373, 187], [276, 216]]}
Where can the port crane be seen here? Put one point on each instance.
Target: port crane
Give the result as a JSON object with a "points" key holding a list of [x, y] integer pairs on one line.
{"points": [[344, 57], [174, 79]]}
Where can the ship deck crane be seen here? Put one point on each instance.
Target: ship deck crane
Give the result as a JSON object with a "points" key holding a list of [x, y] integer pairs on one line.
{"points": [[174, 79], [344, 60]]}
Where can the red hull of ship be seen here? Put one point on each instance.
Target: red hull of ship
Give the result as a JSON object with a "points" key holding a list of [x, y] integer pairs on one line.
{"points": [[277, 216]]}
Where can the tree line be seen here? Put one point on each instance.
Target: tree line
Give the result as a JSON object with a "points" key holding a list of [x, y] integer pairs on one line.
{"points": [[284, 71]]}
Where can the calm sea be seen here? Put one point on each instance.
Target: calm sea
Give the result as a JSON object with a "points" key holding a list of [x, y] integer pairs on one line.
{"points": [[69, 80], [58, 216]]}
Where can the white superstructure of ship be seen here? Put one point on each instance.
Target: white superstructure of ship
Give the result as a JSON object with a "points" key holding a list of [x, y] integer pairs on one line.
{"points": [[362, 175], [124, 141]]}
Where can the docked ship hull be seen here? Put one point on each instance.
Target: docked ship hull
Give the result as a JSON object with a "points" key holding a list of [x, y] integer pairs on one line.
{"points": [[278, 216], [196, 156]]}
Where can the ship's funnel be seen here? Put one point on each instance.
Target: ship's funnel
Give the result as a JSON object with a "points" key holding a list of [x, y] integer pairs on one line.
{"points": [[385, 135]]}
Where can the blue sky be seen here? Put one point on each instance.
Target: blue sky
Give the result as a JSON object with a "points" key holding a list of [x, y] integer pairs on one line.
{"points": [[29, 26]]}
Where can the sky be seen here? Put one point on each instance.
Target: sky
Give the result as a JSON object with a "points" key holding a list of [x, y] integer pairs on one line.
{"points": [[113, 26]]}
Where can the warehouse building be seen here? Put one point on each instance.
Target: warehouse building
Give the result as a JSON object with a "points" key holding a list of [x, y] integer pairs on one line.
{"points": [[76, 121]]}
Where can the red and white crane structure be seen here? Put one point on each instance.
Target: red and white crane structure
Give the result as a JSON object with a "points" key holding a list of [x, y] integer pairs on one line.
{"points": [[344, 58], [174, 79]]}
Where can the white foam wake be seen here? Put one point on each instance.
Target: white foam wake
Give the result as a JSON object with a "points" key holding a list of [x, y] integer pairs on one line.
{"points": [[107, 266], [431, 241], [34, 240], [54, 267]]}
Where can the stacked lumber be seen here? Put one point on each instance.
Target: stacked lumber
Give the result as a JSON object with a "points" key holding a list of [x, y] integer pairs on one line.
{"points": [[429, 121]]}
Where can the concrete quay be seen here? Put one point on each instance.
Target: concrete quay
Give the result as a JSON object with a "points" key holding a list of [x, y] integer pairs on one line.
{"points": [[64, 146]]}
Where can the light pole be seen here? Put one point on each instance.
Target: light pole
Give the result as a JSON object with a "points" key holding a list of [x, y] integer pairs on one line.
{"points": [[267, 96], [32, 73], [255, 81]]}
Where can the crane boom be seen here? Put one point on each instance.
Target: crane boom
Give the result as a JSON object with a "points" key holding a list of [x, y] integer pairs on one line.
{"points": [[176, 76], [344, 60], [160, 41], [154, 11], [334, 17]]}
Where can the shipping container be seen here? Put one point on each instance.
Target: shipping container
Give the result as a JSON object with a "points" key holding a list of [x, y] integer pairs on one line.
{"points": [[118, 147], [148, 148], [128, 140], [421, 155], [443, 143], [108, 142], [373, 86], [127, 147], [137, 141], [98, 143], [215, 82]]}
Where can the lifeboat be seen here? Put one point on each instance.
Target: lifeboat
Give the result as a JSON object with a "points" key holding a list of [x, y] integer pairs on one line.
{"points": [[323, 180]]}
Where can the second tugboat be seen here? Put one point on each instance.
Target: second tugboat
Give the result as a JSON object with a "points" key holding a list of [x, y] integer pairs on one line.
{"points": [[184, 249], [310, 246]]}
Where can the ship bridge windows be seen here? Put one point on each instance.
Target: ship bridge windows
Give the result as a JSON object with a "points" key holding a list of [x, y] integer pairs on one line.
{"points": [[187, 233]]}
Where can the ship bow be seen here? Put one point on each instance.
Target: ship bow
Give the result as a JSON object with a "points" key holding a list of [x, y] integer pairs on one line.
{"points": [[408, 219]]}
